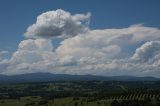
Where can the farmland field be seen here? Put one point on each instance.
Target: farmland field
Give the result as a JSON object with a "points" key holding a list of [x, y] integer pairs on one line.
{"points": [[81, 93]]}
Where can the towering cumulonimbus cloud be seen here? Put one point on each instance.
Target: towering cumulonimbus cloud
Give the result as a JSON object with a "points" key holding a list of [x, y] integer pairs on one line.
{"points": [[134, 50], [58, 23]]}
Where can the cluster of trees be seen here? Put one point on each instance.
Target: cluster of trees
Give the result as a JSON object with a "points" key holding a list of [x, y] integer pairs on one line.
{"points": [[135, 96], [145, 102]]}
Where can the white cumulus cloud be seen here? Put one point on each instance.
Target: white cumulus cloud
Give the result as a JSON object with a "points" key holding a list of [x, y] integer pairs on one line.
{"points": [[147, 51], [134, 50], [58, 23]]}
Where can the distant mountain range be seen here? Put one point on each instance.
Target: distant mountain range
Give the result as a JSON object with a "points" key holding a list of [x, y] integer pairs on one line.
{"points": [[46, 77]]}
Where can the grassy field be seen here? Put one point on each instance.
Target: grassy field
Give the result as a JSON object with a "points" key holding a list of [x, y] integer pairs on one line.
{"points": [[68, 101], [56, 102]]}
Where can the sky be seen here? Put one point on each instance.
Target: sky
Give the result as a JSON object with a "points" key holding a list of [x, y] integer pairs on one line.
{"points": [[101, 37]]}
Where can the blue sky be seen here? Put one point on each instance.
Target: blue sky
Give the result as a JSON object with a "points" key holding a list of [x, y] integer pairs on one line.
{"points": [[123, 37], [17, 15]]}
